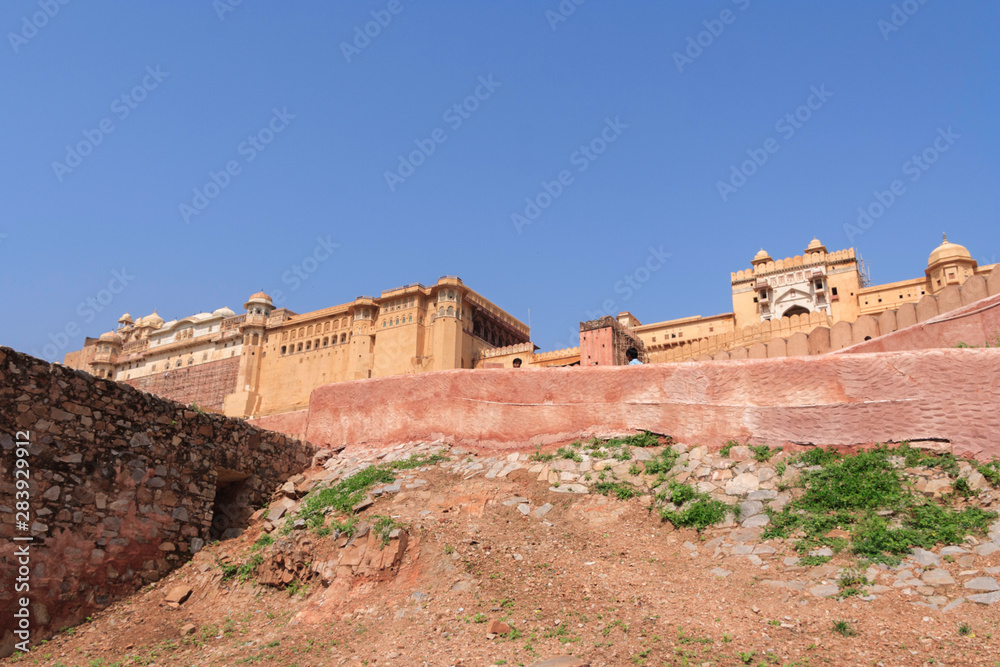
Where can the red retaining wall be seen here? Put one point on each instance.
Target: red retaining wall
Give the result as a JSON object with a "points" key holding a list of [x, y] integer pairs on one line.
{"points": [[846, 399], [289, 423]]}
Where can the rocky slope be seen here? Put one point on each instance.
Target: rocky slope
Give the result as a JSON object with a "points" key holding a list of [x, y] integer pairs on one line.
{"points": [[462, 558]]}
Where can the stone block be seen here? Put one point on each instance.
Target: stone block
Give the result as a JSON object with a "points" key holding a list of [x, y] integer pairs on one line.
{"points": [[819, 341], [927, 308], [974, 289], [949, 299]]}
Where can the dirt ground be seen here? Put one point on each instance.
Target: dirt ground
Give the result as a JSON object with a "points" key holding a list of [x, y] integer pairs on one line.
{"points": [[597, 578]]}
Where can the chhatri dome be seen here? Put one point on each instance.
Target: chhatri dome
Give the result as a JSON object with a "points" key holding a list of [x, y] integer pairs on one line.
{"points": [[761, 257], [948, 251], [153, 320], [223, 312], [815, 246], [259, 304]]}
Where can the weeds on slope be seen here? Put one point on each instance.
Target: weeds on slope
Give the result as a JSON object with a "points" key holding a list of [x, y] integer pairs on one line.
{"points": [[867, 495]]}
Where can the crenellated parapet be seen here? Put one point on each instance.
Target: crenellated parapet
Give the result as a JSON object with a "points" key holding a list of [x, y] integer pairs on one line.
{"points": [[556, 354], [977, 327], [763, 269], [519, 348]]}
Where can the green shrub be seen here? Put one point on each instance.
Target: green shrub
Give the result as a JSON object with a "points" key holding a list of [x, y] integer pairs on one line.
{"points": [[622, 490]]}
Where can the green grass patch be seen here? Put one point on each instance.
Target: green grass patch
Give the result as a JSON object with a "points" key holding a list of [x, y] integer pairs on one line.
{"points": [[813, 561], [686, 507], [538, 456], [868, 496], [917, 458], [763, 453], [818, 457], [383, 525], [621, 490], [345, 494], [569, 453], [727, 448], [991, 471], [662, 464], [242, 571]]}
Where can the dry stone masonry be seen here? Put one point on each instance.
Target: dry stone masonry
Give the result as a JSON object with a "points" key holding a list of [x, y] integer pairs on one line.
{"points": [[124, 486]]}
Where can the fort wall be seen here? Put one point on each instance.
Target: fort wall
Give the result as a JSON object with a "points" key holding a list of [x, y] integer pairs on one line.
{"points": [[966, 314], [122, 486], [850, 399], [205, 384]]}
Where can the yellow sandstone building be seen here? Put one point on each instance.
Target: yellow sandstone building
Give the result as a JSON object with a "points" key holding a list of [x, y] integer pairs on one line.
{"points": [[268, 360]]}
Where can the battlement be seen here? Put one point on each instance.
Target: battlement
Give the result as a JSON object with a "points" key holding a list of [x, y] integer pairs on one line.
{"points": [[839, 257]]}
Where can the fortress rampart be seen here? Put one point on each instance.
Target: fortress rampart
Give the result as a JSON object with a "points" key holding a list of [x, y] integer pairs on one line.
{"points": [[122, 486]]}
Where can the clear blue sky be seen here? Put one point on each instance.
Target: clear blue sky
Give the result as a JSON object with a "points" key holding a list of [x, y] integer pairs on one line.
{"points": [[678, 127]]}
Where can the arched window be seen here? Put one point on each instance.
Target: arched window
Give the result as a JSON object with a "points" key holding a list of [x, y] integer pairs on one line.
{"points": [[284, 349], [451, 312], [309, 345], [397, 320], [316, 343], [343, 338], [411, 318], [326, 341]]}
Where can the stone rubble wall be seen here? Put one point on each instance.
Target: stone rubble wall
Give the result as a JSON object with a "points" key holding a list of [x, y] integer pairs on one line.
{"points": [[206, 384], [122, 485], [948, 394]]}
